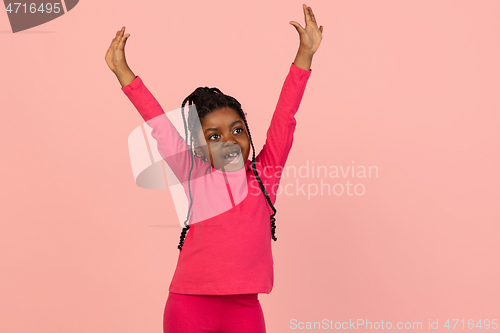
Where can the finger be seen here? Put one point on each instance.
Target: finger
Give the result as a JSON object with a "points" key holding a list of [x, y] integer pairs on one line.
{"points": [[297, 26], [312, 14], [116, 39], [307, 15], [118, 32], [121, 46]]}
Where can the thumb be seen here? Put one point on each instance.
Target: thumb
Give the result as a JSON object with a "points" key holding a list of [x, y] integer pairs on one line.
{"points": [[297, 26]]}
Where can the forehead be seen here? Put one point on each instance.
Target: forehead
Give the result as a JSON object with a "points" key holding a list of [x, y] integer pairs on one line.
{"points": [[221, 117]]}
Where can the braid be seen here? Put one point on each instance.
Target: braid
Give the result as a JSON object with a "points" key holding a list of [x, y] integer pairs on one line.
{"points": [[186, 228], [273, 219], [206, 101], [191, 99]]}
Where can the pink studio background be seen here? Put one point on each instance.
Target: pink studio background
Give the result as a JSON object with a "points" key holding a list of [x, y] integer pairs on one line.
{"points": [[410, 87]]}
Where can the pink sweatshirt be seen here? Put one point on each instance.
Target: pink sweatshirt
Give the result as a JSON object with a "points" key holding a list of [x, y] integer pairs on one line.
{"points": [[229, 253]]}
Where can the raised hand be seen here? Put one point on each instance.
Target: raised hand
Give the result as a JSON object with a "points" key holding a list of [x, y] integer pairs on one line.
{"points": [[115, 56], [311, 35]]}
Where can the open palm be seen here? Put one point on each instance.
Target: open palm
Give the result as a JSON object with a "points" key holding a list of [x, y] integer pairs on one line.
{"points": [[115, 56], [311, 35]]}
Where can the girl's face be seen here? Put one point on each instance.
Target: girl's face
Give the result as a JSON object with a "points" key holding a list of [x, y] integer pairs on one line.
{"points": [[225, 133]]}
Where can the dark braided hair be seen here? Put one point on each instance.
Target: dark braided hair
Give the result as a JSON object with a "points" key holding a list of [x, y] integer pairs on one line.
{"points": [[208, 100]]}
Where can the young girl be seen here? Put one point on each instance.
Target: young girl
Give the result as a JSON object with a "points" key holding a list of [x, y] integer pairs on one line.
{"points": [[226, 259]]}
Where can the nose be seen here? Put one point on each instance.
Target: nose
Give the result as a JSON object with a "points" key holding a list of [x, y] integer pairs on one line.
{"points": [[229, 143]]}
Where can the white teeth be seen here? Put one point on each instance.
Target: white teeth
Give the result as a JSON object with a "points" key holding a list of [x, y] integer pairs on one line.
{"points": [[231, 155]]}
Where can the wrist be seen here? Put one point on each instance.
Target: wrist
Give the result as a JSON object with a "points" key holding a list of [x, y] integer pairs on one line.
{"points": [[305, 52], [123, 70], [125, 76]]}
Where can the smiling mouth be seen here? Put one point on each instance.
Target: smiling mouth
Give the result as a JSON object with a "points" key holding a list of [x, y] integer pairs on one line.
{"points": [[232, 156]]}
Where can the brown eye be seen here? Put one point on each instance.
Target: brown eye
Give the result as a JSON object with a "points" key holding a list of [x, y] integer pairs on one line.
{"points": [[211, 136], [239, 129]]}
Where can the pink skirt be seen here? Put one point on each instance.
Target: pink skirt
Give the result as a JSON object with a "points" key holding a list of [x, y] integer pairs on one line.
{"points": [[213, 314]]}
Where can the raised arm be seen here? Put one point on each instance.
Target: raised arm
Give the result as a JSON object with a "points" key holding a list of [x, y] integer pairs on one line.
{"points": [[115, 58], [279, 136], [171, 145]]}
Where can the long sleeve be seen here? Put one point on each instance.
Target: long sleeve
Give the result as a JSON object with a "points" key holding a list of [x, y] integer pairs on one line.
{"points": [[279, 136], [171, 145], [230, 253]]}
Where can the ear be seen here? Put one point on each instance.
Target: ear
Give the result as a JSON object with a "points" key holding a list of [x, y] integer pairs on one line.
{"points": [[199, 153]]}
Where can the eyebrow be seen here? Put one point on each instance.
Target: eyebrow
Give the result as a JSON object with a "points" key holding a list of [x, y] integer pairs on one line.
{"points": [[230, 125]]}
